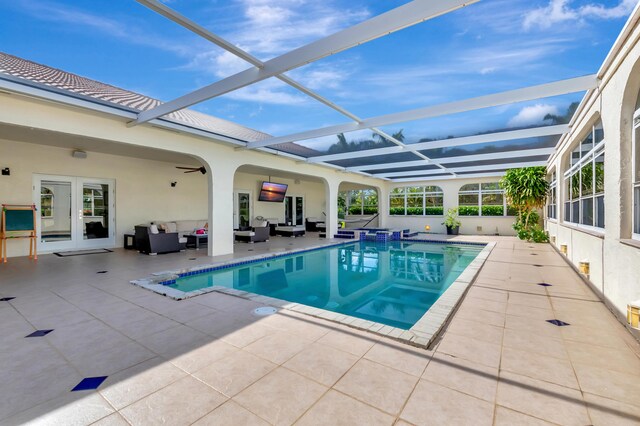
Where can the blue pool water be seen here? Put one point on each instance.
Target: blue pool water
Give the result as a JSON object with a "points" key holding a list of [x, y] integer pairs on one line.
{"points": [[392, 283]]}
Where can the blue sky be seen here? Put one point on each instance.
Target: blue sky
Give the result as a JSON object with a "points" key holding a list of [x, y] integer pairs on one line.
{"points": [[491, 46]]}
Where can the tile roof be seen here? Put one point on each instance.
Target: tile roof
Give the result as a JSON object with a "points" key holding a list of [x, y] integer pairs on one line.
{"points": [[83, 87]]}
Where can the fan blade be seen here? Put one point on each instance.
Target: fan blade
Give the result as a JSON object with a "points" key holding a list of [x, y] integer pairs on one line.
{"points": [[187, 168], [192, 171]]}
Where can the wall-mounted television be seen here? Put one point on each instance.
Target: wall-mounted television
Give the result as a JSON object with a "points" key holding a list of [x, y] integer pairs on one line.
{"points": [[273, 192]]}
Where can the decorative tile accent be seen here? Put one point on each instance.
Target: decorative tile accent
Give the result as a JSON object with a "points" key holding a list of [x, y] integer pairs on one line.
{"points": [[6, 299], [89, 383], [558, 322], [39, 333]]}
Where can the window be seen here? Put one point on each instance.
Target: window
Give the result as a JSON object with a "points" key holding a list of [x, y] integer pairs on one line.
{"points": [[636, 171], [359, 201], [92, 201], [483, 199], [584, 181], [46, 202], [552, 198], [416, 201]]}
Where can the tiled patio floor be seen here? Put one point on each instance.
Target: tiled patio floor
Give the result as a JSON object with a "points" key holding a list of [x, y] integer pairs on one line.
{"points": [[208, 360]]}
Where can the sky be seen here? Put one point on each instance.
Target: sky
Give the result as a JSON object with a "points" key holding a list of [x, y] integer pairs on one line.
{"points": [[487, 47]]}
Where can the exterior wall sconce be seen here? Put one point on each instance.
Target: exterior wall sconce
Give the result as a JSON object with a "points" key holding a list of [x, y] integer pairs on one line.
{"points": [[173, 184], [633, 314], [427, 228], [553, 239], [584, 267], [563, 249]]}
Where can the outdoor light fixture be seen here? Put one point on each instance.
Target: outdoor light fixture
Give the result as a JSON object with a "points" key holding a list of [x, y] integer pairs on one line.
{"points": [[173, 184], [563, 249], [78, 154], [584, 267], [633, 314], [6, 171]]}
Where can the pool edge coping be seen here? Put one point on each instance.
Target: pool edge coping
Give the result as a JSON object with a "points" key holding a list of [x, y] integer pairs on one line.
{"points": [[421, 334]]}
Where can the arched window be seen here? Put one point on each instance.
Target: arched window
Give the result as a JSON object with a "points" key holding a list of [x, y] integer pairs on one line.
{"points": [[416, 201], [483, 199], [636, 170], [584, 181]]}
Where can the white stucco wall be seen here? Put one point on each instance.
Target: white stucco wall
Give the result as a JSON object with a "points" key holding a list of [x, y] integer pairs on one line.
{"points": [[614, 264]]}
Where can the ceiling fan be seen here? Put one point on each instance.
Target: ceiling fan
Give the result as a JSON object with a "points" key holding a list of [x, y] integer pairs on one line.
{"points": [[193, 169]]}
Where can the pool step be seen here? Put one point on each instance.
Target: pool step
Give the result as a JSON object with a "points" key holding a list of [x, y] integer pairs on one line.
{"points": [[344, 236]]}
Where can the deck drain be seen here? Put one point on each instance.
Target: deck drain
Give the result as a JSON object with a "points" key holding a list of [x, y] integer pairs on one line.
{"points": [[264, 311]]}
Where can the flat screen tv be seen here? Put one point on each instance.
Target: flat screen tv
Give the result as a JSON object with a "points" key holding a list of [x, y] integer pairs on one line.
{"points": [[273, 192]]}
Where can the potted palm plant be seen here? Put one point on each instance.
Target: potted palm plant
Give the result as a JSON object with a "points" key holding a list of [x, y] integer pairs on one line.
{"points": [[451, 222]]}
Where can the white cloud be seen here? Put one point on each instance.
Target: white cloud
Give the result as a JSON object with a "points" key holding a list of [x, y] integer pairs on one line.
{"points": [[559, 11], [530, 115], [277, 26]]}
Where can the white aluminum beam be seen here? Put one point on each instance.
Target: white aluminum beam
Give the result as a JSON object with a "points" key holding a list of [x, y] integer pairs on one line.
{"points": [[504, 166], [358, 154], [436, 178], [446, 143], [457, 159], [555, 88], [396, 19], [495, 156], [383, 166]]}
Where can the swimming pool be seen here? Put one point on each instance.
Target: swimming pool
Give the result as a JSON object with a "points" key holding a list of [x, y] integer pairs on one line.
{"points": [[393, 283]]}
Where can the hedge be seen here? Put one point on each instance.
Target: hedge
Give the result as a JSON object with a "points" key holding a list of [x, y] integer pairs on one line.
{"points": [[492, 211], [468, 211], [358, 210], [417, 211]]}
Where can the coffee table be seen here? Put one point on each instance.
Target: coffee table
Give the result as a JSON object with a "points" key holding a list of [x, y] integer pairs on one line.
{"points": [[194, 240]]}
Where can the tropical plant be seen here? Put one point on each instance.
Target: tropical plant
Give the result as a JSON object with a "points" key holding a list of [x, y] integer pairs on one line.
{"points": [[451, 219], [526, 190]]}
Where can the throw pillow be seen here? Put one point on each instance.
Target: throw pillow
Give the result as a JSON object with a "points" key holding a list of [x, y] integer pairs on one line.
{"points": [[154, 229]]}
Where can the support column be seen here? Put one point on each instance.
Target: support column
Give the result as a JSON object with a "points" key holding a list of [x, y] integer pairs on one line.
{"points": [[383, 205], [331, 195], [221, 209]]}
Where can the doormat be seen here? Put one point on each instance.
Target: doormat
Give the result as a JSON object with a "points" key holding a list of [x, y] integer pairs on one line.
{"points": [[82, 252]]}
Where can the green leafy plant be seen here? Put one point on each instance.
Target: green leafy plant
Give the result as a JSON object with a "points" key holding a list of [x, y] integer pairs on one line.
{"points": [[526, 190], [469, 210], [451, 219]]}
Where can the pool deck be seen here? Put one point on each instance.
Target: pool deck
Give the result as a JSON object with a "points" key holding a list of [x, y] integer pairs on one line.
{"points": [[208, 360]]}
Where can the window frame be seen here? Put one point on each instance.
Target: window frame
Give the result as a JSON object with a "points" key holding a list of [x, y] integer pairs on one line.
{"points": [[576, 170], [552, 199], [424, 194], [480, 192], [362, 195], [93, 202]]}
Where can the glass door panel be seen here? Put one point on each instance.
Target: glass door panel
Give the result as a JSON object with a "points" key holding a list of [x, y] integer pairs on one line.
{"points": [[242, 210], [55, 211], [288, 210], [96, 226], [299, 210]]}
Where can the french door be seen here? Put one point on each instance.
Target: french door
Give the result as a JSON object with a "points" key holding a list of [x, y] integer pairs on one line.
{"points": [[241, 209], [294, 209], [74, 212]]}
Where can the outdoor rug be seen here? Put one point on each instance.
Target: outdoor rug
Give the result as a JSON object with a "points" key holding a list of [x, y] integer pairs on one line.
{"points": [[82, 252]]}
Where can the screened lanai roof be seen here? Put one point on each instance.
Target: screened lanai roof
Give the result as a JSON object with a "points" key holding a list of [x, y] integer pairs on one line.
{"points": [[460, 137]]}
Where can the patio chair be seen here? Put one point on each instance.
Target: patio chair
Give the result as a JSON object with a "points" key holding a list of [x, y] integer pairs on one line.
{"points": [[258, 233], [150, 241]]}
